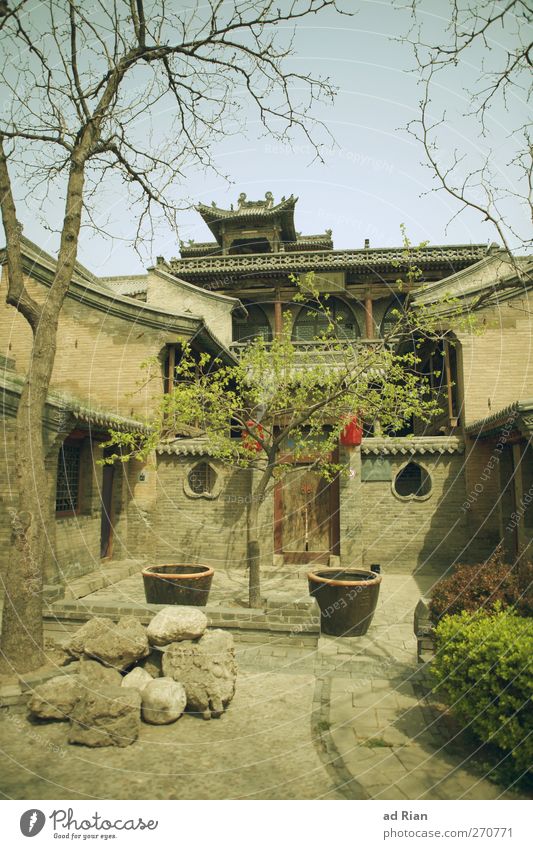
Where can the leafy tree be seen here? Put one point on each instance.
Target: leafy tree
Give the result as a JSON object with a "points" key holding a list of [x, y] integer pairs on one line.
{"points": [[82, 87]]}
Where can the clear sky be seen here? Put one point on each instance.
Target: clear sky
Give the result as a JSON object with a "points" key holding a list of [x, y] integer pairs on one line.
{"points": [[372, 180]]}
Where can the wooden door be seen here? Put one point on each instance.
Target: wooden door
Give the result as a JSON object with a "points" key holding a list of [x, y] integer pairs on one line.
{"points": [[106, 527], [306, 524]]}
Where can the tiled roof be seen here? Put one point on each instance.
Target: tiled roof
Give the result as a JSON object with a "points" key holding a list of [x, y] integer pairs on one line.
{"points": [[199, 248], [251, 210], [448, 257], [247, 208], [197, 447], [409, 445], [519, 414]]}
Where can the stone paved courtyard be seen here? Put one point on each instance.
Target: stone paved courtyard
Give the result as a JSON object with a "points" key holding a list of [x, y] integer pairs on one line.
{"points": [[349, 720]]}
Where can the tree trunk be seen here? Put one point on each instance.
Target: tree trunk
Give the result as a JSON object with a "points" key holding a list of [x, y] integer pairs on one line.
{"points": [[253, 548], [22, 627]]}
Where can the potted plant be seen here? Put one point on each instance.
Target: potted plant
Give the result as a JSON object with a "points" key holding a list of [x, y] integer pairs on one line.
{"points": [[177, 584], [347, 599]]}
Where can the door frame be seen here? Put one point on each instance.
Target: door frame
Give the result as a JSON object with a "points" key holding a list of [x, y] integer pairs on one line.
{"points": [[334, 516]]}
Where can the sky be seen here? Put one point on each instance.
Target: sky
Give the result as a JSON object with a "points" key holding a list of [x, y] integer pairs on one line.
{"points": [[373, 178]]}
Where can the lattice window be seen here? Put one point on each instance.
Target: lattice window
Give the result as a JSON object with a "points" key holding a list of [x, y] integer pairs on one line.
{"points": [[255, 325], [202, 479], [311, 322], [68, 478], [391, 318]]}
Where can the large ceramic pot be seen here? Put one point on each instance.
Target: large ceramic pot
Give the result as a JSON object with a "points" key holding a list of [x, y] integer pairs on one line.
{"points": [[347, 599], [177, 584]]}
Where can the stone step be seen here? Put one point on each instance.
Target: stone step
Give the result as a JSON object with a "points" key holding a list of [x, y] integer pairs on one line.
{"points": [[109, 573]]}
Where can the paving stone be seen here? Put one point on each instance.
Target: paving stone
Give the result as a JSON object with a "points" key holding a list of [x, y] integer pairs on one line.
{"points": [[392, 791]]}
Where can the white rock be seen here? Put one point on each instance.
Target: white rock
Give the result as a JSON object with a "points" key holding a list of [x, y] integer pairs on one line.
{"points": [[137, 679], [173, 624], [163, 701], [207, 670]]}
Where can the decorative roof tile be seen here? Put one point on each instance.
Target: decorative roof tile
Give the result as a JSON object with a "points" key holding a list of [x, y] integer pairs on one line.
{"points": [[249, 211], [409, 445], [448, 257], [196, 447], [519, 414]]}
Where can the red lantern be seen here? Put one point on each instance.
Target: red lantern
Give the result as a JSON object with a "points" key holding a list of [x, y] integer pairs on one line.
{"points": [[352, 434], [248, 442]]}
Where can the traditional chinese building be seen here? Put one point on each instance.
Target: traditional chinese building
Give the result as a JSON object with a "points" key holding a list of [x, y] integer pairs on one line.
{"points": [[447, 493]]}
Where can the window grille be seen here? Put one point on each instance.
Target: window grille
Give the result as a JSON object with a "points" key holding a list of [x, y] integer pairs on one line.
{"points": [[254, 326], [202, 479], [68, 478], [312, 323]]}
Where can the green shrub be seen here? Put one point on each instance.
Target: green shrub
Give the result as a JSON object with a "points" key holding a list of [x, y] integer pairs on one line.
{"points": [[484, 667], [485, 585]]}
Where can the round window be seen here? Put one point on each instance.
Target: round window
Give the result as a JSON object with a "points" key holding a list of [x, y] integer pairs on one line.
{"points": [[412, 481]]}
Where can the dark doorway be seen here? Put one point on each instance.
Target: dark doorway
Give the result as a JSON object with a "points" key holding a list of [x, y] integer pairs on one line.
{"points": [[106, 526]]}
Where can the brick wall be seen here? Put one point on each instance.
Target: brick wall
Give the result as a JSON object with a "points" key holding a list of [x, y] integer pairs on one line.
{"points": [[199, 530], [498, 362], [379, 527], [180, 297], [99, 354]]}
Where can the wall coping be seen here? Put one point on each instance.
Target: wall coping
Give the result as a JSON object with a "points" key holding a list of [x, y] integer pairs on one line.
{"points": [[406, 445]]}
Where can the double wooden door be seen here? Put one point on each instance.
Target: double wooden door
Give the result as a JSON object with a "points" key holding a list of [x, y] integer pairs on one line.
{"points": [[306, 520]]}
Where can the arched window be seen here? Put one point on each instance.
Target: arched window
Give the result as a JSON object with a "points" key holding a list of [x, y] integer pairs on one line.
{"points": [[311, 322], [255, 325], [412, 481], [390, 319]]}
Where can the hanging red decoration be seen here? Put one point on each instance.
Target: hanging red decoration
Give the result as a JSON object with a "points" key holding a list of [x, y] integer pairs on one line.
{"points": [[352, 434], [248, 441]]}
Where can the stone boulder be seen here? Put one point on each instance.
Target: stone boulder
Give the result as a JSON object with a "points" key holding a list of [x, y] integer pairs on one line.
{"points": [[55, 698], [96, 627], [207, 670], [152, 663], [138, 678], [163, 701], [177, 623], [93, 675], [107, 717], [121, 645]]}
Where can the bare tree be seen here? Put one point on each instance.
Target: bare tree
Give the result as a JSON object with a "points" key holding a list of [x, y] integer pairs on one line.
{"points": [[84, 89], [478, 54]]}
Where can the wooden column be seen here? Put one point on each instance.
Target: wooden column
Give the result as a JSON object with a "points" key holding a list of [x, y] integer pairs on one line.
{"points": [[278, 316], [518, 450], [369, 319]]}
